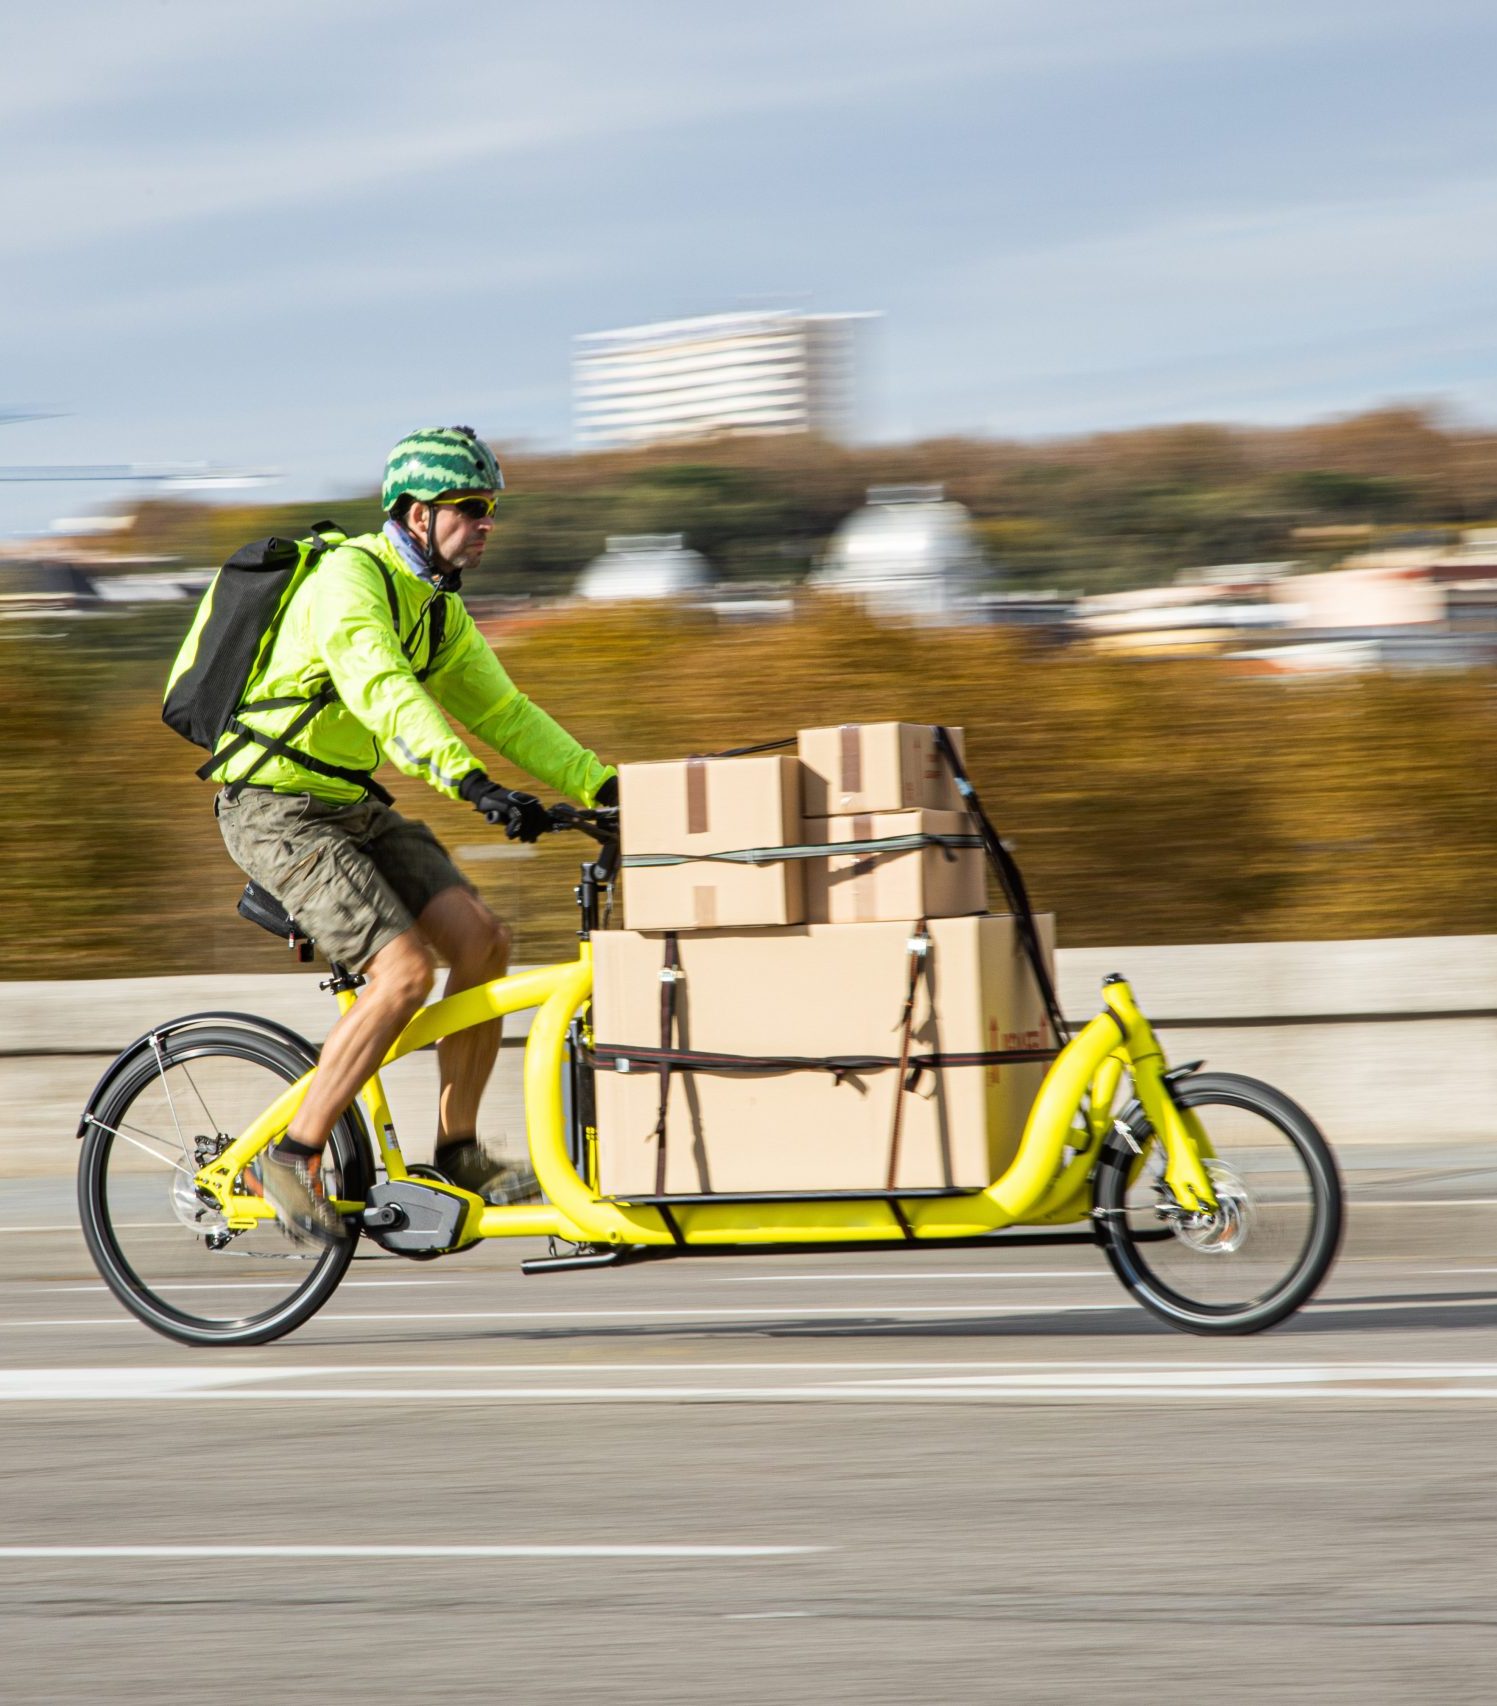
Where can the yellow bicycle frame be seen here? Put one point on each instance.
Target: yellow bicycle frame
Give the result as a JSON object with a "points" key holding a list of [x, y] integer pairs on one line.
{"points": [[1048, 1182]]}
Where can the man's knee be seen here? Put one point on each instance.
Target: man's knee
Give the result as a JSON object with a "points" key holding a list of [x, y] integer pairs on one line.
{"points": [[467, 935], [486, 944], [403, 972]]}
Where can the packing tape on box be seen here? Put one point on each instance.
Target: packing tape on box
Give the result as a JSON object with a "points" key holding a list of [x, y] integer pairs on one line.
{"points": [[850, 738], [696, 796]]}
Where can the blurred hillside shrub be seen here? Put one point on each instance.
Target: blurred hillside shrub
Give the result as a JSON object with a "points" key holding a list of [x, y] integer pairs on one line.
{"points": [[1149, 802], [1111, 511]]}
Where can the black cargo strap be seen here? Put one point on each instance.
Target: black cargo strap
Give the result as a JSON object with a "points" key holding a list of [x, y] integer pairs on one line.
{"points": [[808, 850], [670, 976], [763, 746], [624, 1058], [917, 966], [279, 746], [1010, 879]]}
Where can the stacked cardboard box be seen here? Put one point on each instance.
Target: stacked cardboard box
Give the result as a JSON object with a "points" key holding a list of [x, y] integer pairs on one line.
{"points": [[811, 957], [694, 810]]}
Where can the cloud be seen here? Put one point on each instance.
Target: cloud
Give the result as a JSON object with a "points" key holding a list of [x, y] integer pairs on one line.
{"points": [[377, 100], [207, 203], [1223, 315]]}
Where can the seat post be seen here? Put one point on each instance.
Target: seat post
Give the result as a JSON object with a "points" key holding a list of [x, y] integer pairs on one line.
{"points": [[343, 981]]}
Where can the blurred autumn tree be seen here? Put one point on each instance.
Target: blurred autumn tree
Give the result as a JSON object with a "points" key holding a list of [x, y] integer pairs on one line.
{"points": [[1098, 513], [1150, 802]]}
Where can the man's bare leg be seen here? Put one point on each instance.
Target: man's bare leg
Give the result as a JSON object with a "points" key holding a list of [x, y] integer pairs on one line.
{"points": [[397, 981], [475, 945]]}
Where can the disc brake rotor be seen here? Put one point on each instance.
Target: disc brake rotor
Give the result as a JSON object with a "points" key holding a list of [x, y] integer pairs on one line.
{"points": [[1227, 1227], [197, 1212]]}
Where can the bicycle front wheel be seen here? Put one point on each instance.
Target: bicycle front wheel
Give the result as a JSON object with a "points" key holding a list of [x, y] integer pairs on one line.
{"points": [[163, 1251], [1276, 1228]]}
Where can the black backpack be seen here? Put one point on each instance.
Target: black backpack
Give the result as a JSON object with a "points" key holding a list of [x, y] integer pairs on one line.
{"points": [[231, 636]]}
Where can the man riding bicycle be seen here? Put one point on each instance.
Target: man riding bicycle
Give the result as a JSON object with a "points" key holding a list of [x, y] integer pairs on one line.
{"points": [[379, 620]]}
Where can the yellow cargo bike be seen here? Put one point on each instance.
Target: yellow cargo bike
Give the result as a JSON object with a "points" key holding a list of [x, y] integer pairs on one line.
{"points": [[1214, 1197]]}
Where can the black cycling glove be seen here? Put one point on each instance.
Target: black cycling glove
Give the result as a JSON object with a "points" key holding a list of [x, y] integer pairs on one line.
{"points": [[523, 816], [608, 795]]}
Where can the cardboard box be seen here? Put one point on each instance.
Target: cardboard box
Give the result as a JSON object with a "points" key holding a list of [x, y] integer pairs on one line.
{"points": [[867, 888], [711, 805], [818, 990], [876, 767]]}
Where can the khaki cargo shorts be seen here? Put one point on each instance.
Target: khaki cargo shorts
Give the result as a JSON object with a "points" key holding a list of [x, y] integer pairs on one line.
{"points": [[353, 876]]}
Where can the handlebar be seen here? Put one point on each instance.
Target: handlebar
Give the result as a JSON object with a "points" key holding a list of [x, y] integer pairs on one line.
{"points": [[601, 823]]}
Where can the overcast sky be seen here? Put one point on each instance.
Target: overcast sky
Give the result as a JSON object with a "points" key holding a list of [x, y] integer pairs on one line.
{"points": [[280, 233]]}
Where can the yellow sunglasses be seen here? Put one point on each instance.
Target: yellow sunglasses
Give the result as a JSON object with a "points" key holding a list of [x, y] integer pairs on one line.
{"points": [[473, 509]]}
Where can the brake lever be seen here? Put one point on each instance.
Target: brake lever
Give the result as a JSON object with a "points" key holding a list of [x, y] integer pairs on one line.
{"points": [[564, 816]]}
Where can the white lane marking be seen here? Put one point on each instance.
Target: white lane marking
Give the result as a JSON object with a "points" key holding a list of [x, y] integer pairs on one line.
{"points": [[1358, 1206], [789, 1312], [120, 1226], [89, 1321], [738, 1311], [1099, 1272], [849, 1393], [1360, 1306], [245, 1285], [168, 1381], [820, 1382], [401, 1552], [92, 1384]]}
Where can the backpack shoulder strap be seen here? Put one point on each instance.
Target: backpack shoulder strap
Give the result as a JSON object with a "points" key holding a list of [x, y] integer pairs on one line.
{"points": [[389, 581]]}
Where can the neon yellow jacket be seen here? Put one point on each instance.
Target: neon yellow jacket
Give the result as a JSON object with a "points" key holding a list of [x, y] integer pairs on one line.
{"points": [[337, 626]]}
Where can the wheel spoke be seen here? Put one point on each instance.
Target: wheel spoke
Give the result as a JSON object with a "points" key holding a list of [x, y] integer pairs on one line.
{"points": [[170, 1101], [142, 1141]]}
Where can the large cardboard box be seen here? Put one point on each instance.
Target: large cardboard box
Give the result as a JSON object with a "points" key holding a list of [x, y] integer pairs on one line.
{"points": [[818, 990], [711, 805], [876, 767], [923, 882]]}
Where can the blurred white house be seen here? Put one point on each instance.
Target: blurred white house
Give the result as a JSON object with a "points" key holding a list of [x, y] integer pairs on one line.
{"points": [[910, 553], [644, 566]]}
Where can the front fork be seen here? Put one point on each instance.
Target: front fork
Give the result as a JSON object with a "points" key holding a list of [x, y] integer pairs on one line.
{"points": [[1179, 1131]]}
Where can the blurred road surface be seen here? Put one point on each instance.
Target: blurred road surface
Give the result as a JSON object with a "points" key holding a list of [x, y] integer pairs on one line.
{"points": [[936, 1476]]}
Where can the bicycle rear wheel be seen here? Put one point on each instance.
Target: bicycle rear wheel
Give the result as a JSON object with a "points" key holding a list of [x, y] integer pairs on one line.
{"points": [[166, 1254], [1274, 1234]]}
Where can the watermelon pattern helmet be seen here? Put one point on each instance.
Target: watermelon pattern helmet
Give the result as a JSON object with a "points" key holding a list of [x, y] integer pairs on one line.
{"points": [[439, 459]]}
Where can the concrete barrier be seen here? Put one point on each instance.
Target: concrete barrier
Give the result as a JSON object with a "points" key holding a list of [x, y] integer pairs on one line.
{"points": [[1387, 1043]]}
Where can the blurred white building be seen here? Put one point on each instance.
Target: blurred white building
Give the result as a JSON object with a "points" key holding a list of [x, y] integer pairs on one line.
{"points": [[768, 371], [644, 565], [908, 553]]}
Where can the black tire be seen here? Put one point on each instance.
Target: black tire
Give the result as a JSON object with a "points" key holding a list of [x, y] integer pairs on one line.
{"points": [[1271, 1244], [194, 1087]]}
